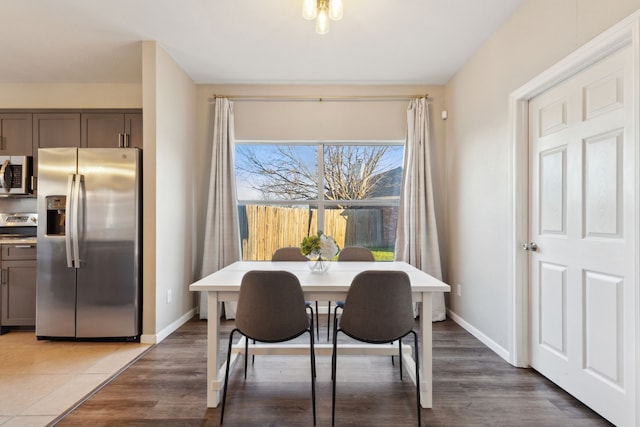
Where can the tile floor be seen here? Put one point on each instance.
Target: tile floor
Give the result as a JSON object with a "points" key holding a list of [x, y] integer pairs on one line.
{"points": [[39, 380]]}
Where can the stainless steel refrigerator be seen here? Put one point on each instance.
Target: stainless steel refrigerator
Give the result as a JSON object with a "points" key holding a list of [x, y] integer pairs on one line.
{"points": [[89, 243]]}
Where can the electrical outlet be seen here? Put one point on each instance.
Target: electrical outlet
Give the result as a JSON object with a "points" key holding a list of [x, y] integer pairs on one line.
{"points": [[459, 289], [169, 296]]}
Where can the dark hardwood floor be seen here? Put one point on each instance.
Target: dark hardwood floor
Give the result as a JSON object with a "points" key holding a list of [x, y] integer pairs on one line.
{"points": [[472, 387]]}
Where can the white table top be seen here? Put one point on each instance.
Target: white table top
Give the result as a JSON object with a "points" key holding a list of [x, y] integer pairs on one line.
{"points": [[337, 279]]}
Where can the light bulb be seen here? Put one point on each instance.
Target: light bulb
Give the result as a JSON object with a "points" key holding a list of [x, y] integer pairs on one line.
{"points": [[322, 22], [309, 9], [335, 10]]}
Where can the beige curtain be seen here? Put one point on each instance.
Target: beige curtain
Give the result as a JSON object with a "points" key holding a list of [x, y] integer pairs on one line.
{"points": [[417, 238], [222, 234]]}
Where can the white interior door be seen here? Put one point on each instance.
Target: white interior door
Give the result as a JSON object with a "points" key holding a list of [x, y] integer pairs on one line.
{"points": [[582, 204]]}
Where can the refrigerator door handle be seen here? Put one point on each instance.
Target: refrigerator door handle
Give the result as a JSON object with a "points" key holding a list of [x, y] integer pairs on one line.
{"points": [[68, 220], [76, 225]]}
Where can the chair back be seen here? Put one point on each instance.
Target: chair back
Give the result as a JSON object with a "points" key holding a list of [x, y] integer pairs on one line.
{"points": [[378, 307], [289, 253], [271, 306], [355, 253]]}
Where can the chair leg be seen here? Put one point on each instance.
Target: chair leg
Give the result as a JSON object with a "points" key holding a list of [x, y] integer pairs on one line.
{"points": [[316, 318], [226, 377], [392, 358], [335, 326], [313, 354], [328, 319], [317, 321], [334, 363], [253, 356], [400, 356], [312, 357]]}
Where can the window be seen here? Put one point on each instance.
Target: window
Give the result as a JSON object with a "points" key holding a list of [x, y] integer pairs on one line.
{"points": [[286, 191]]}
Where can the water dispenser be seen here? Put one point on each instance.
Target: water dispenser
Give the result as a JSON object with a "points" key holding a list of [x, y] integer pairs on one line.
{"points": [[56, 215]]}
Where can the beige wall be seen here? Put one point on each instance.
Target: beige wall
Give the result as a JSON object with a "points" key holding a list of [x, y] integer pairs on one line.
{"points": [[326, 120], [97, 95], [170, 147], [538, 35], [149, 79]]}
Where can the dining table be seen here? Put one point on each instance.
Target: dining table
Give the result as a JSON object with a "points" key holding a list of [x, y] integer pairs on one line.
{"points": [[331, 285]]}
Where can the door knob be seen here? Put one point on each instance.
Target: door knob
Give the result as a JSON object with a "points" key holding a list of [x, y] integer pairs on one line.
{"points": [[530, 246]]}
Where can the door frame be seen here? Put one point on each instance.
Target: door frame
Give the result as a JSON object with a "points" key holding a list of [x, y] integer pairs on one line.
{"points": [[625, 33]]}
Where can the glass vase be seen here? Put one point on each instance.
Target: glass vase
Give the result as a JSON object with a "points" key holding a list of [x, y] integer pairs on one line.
{"points": [[317, 264]]}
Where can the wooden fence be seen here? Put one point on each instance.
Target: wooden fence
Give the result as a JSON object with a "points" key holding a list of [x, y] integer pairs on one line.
{"points": [[267, 228]]}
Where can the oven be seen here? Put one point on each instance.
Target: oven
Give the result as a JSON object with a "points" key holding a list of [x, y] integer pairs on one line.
{"points": [[18, 226]]}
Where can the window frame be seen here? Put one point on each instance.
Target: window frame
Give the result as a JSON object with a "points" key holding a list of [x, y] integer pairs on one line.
{"points": [[320, 202]]}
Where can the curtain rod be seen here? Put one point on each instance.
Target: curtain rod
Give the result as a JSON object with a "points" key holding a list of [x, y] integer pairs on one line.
{"points": [[319, 98]]}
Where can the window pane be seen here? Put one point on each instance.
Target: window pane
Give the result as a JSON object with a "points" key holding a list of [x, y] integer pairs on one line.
{"points": [[279, 203], [373, 227], [276, 172], [265, 228], [356, 172]]}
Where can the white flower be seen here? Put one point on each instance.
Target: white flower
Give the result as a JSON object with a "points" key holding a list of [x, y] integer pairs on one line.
{"points": [[328, 247]]}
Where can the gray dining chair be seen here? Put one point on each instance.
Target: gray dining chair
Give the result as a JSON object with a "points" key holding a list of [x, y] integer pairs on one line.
{"points": [[378, 310], [358, 253], [292, 253], [271, 308], [288, 253], [355, 253], [349, 253]]}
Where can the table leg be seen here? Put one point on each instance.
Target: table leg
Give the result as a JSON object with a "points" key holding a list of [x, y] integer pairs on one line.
{"points": [[426, 374], [214, 384]]}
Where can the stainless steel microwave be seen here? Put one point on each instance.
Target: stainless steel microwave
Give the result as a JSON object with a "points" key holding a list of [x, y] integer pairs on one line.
{"points": [[16, 173]]}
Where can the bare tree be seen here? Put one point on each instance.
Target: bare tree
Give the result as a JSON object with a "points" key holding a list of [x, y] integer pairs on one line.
{"points": [[352, 172]]}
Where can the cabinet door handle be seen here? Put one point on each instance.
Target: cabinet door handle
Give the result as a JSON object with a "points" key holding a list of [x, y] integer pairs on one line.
{"points": [[126, 140], [120, 140], [23, 246]]}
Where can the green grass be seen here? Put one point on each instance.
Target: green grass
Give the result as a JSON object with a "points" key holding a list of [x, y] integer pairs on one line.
{"points": [[382, 254]]}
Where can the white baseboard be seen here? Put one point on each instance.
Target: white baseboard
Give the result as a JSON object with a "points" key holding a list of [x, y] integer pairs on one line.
{"points": [[157, 338], [495, 347]]}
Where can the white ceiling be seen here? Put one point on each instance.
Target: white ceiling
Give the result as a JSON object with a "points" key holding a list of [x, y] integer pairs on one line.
{"points": [[244, 41]]}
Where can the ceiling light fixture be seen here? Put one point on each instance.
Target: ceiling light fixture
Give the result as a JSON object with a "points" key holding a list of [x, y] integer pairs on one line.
{"points": [[322, 11]]}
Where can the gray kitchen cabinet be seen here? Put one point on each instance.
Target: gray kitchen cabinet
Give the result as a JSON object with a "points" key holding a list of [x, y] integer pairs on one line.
{"points": [[15, 134], [112, 130], [53, 130], [18, 286]]}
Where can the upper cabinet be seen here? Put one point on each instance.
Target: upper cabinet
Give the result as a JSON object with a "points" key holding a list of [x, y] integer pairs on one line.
{"points": [[53, 130], [15, 134], [109, 130]]}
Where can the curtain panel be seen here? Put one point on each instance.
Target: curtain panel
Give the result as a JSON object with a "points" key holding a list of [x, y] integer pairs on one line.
{"points": [[417, 234], [222, 233]]}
